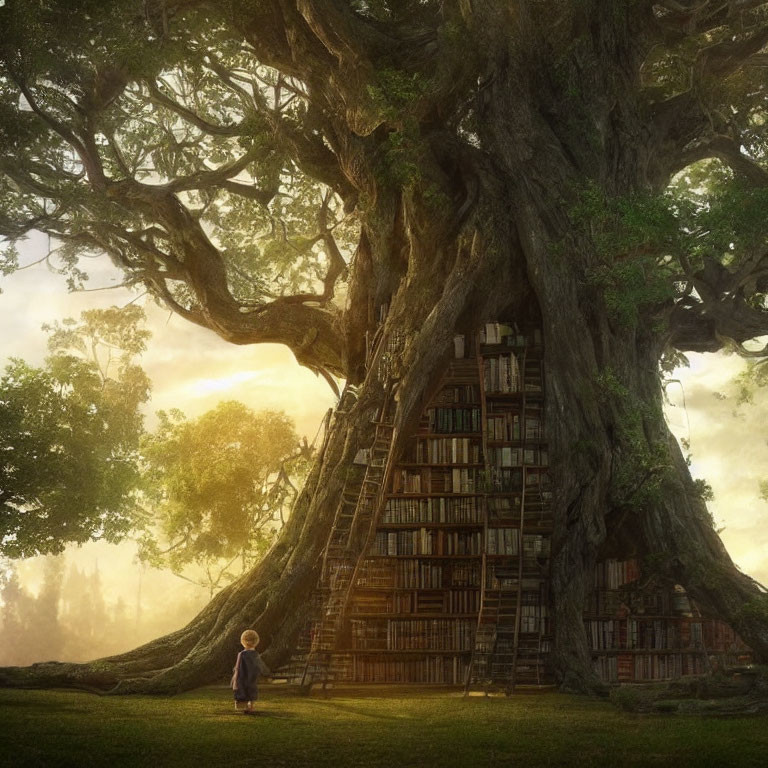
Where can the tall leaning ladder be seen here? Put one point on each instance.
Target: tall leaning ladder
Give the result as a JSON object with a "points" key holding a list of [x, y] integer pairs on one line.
{"points": [[480, 660], [512, 680], [491, 657], [341, 558]]}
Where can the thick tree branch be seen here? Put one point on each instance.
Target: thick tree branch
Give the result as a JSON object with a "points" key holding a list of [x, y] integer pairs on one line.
{"points": [[725, 58], [681, 20], [728, 150]]}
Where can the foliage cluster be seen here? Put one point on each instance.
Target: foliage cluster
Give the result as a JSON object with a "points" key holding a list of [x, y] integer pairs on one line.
{"points": [[216, 489], [641, 461], [634, 237], [69, 436]]}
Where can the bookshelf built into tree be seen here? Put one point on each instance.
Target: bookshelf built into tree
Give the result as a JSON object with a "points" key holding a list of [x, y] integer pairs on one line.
{"points": [[452, 586], [640, 630]]}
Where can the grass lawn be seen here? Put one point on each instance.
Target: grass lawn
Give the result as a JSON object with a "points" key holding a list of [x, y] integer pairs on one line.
{"points": [[367, 727]]}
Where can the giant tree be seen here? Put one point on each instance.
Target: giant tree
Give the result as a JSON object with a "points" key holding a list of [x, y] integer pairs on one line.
{"points": [[278, 170]]}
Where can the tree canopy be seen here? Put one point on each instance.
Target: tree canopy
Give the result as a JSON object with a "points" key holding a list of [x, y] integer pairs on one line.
{"points": [[79, 465], [69, 435], [226, 156]]}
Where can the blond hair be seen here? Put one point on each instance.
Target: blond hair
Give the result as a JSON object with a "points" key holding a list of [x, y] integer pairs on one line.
{"points": [[249, 638]]}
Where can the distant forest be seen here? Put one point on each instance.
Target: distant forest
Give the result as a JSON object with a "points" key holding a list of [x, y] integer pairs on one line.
{"points": [[71, 619]]}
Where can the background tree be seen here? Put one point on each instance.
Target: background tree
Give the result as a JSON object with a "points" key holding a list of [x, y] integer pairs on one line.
{"points": [[29, 626], [498, 159], [69, 435], [217, 489]]}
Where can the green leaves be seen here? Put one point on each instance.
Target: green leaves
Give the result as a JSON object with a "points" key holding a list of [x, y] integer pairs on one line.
{"points": [[69, 437], [216, 488]]}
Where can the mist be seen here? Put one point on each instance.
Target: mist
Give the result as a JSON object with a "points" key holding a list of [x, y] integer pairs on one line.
{"points": [[71, 613]]}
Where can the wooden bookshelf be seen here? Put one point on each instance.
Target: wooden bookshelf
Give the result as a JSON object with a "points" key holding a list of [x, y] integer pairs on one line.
{"points": [[640, 630], [477, 614]]}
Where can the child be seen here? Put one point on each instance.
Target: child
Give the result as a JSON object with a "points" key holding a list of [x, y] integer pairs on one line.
{"points": [[246, 673]]}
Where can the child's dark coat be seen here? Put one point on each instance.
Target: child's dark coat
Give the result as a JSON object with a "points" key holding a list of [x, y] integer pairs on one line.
{"points": [[246, 673]]}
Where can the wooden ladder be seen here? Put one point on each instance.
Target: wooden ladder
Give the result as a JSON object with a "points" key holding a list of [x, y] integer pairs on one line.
{"points": [[341, 555]]}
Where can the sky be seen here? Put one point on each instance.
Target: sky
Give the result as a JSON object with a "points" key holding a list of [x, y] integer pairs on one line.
{"points": [[192, 369]]}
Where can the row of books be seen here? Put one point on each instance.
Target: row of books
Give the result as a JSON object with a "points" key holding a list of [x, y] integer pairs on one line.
{"points": [[447, 420], [508, 456], [639, 634], [428, 541], [494, 334], [509, 335], [418, 574], [501, 374], [503, 480], [612, 574], [431, 541], [448, 450], [438, 509], [719, 636], [502, 541], [664, 666], [443, 601], [533, 618], [435, 480], [503, 426], [447, 670], [627, 668], [413, 634], [457, 394], [505, 578], [506, 541], [444, 509]]}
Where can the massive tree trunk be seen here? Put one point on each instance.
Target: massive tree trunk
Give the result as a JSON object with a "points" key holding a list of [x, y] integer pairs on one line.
{"points": [[475, 235]]}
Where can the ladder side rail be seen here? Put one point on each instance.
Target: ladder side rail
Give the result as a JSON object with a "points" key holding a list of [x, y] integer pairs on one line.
{"points": [[521, 551], [484, 502], [377, 505], [317, 637]]}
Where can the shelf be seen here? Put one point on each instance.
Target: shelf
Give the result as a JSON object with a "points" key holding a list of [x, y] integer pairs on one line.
{"points": [[465, 588], [414, 616], [476, 494], [526, 558], [642, 617], [529, 527], [447, 494], [644, 651], [446, 434], [441, 466], [514, 396], [433, 404], [430, 526], [517, 443], [421, 652], [426, 557], [495, 349]]}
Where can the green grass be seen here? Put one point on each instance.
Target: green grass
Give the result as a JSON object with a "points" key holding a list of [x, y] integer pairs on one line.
{"points": [[368, 727]]}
